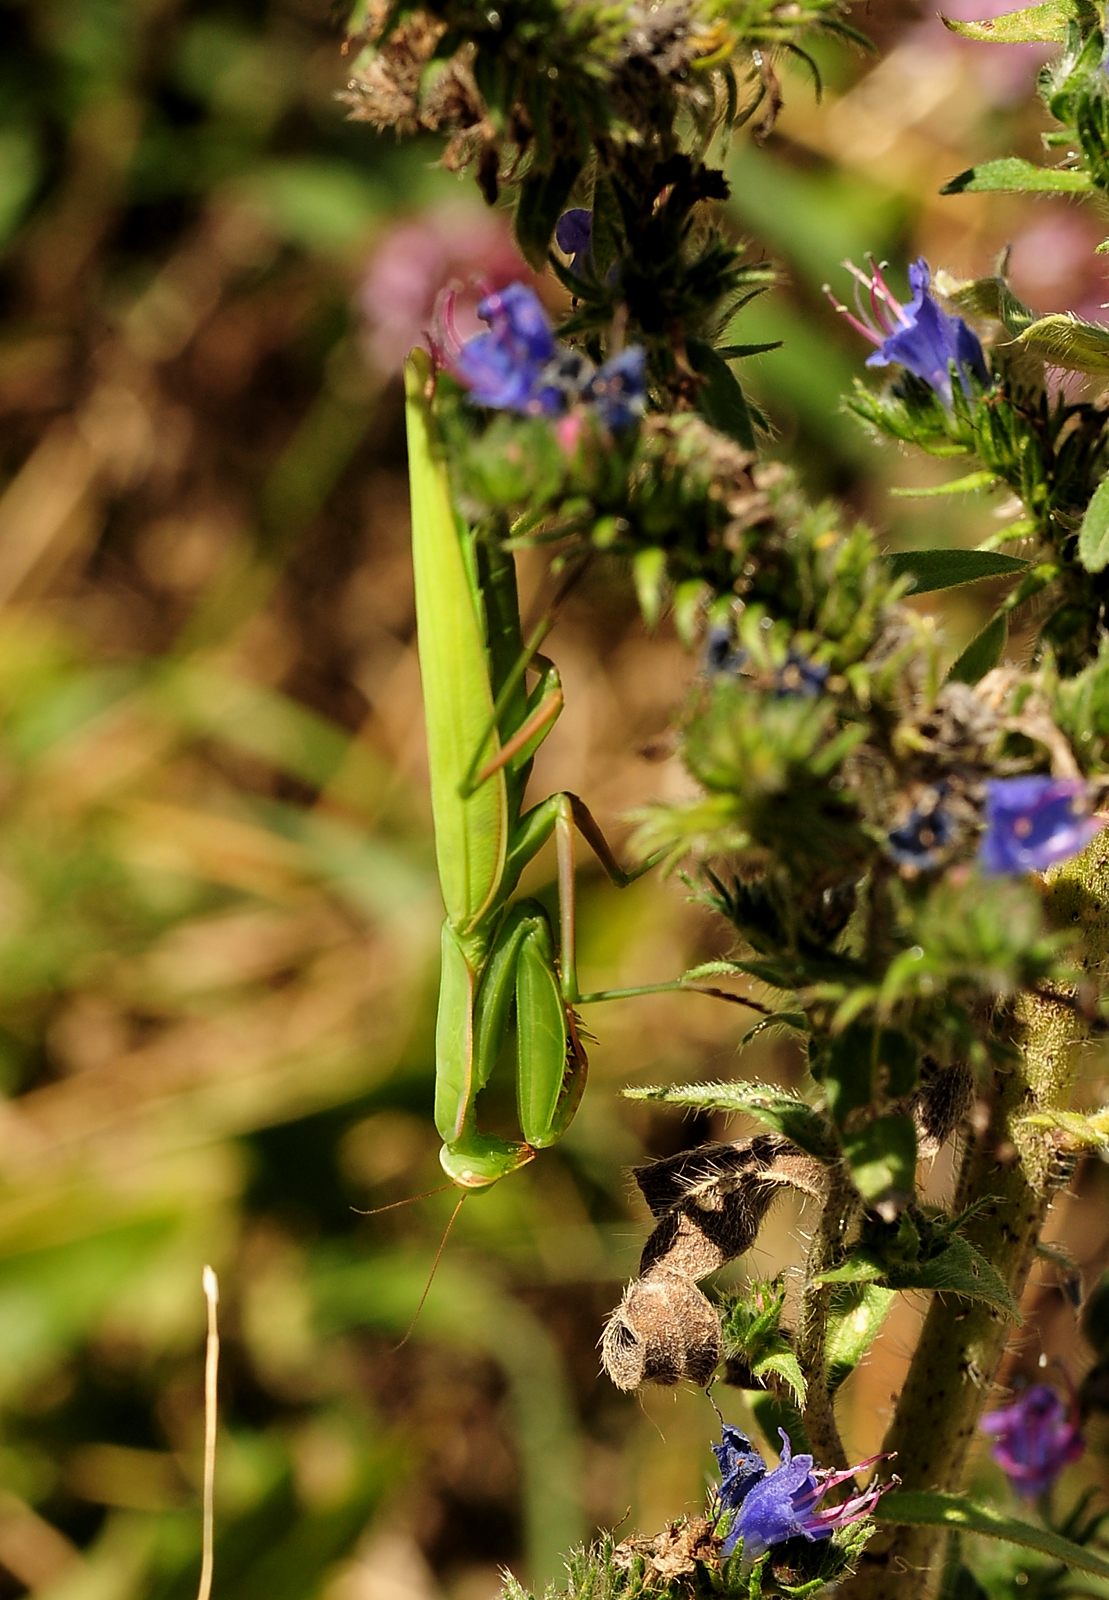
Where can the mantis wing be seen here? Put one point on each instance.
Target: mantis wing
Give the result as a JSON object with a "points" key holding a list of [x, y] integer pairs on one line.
{"points": [[470, 833]]}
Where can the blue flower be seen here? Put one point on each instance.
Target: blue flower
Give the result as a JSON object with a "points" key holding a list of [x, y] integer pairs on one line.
{"points": [[740, 1465], [771, 1507], [506, 367], [1034, 1438], [618, 390], [519, 365], [920, 337], [800, 676], [1032, 823], [920, 841], [574, 236], [723, 655]]}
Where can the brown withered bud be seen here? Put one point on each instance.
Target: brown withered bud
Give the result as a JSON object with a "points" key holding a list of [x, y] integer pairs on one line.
{"points": [[669, 1181], [673, 1553], [695, 1240], [663, 1330], [709, 1203], [942, 1103], [708, 1171]]}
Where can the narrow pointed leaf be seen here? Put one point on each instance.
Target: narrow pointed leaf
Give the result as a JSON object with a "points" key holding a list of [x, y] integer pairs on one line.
{"points": [[982, 653], [1045, 23], [1011, 175], [788, 1115], [968, 485], [857, 1314], [947, 569], [956, 1269], [1064, 340], [921, 1508], [721, 401], [1093, 537]]}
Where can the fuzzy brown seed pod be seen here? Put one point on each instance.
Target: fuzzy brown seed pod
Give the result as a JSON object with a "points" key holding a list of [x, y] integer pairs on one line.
{"points": [[709, 1203], [663, 1330]]}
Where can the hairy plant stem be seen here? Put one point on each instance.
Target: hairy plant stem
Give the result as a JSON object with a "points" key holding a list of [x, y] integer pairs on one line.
{"points": [[824, 1252], [1016, 1168]]}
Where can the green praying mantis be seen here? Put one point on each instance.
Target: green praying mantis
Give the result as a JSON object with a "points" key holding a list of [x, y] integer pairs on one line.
{"points": [[484, 726]]}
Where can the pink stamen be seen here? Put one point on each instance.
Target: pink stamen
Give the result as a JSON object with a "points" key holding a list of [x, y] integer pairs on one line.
{"points": [[860, 327], [882, 289]]}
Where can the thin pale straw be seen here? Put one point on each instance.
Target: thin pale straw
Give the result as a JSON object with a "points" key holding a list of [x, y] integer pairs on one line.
{"points": [[211, 1373]]}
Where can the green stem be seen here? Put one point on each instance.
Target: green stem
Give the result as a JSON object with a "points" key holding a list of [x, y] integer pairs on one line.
{"points": [[1017, 1168], [812, 1331]]}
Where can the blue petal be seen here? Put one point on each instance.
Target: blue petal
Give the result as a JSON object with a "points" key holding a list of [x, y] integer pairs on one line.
{"points": [[930, 341], [1034, 822], [618, 390]]}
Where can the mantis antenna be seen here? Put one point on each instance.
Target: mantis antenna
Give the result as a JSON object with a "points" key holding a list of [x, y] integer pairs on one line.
{"points": [[434, 1266]]}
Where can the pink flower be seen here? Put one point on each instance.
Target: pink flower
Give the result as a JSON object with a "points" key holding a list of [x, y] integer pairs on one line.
{"points": [[459, 247]]}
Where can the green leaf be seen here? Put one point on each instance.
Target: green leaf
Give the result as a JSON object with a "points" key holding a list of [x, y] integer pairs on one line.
{"points": [[1084, 1131], [967, 485], [795, 1021], [649, 575], [921, 1508], [721, 401], [1064, 340], [799, 1123], [784, 1365], [958, 1268], [882, 1157], [856, 1316], [1093, 537], [982, 653], [689, 608], [736, 352], [946, 569], [1011, 175], [1045, 23], [751, 1326], [986, 297]]}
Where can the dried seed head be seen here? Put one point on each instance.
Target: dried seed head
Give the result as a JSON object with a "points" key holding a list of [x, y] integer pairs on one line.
{"points": [[711, 1227], [942, 1103], [663, 1330]]}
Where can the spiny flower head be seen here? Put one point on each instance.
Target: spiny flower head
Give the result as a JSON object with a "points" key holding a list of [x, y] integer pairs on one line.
{"points": [[920, 337], [1034, 1438], [771, 1507], [1034, 822]]}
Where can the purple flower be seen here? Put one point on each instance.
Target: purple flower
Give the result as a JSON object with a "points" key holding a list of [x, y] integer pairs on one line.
{"points": [[506, 367], [920, 841], [519, 365], [574, 236], [740, 1465], [800, 677], [772, 1507], [1034, 1438], [919, 337], [1031, 823], [618, 390]]}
